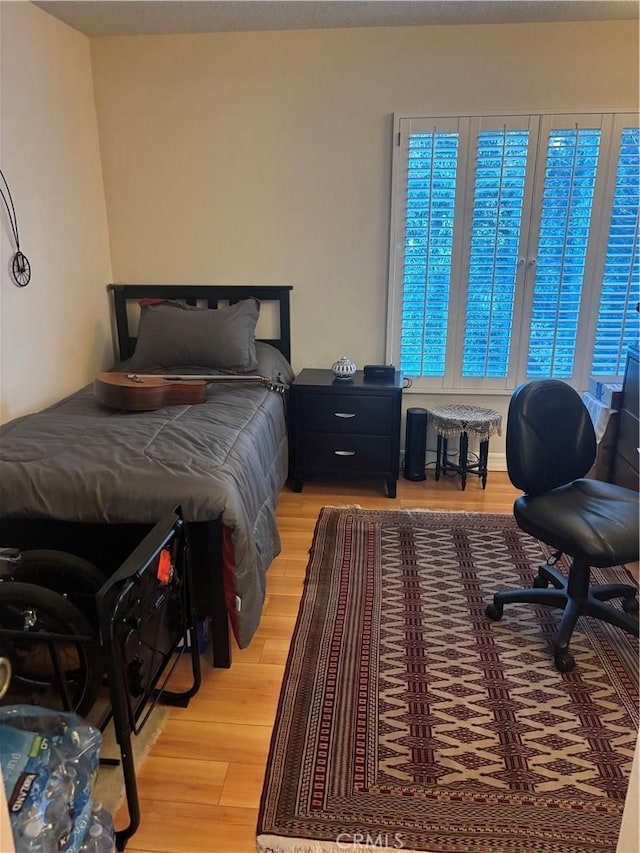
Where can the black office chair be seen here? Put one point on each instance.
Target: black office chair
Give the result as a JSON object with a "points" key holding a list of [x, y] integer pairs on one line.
{"points": [[551, 445]]}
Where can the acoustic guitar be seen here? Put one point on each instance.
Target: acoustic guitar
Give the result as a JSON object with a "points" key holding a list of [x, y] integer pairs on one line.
{"points": [[146, 392]]}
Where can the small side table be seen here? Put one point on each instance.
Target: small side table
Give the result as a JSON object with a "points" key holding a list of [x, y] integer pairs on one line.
{"points": [[457, 421]]}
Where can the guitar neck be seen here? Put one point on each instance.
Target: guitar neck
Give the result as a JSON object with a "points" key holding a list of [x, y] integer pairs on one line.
{"points": [[206, 377], [272, 384]]}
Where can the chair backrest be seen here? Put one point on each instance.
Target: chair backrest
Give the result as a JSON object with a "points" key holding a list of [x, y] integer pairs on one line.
{"points": [[550, 437]]}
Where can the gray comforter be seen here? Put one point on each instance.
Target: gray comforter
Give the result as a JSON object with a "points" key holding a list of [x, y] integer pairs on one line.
{"points": [[225, 458]]}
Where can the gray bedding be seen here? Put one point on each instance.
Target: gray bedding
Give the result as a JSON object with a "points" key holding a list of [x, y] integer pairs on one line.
{"points": [[225, 458]]}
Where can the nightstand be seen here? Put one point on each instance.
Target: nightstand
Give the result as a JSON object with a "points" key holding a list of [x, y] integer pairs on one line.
{"points": [[348, 427]]}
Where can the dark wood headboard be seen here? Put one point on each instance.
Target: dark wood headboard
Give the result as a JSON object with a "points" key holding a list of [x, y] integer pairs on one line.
{"points": [[193, 294]]}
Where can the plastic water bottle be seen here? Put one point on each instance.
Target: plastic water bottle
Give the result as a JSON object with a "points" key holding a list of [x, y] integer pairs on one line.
{"points": [[61, 784], [102, 817], [58, 817], [97, 840], [58, 804], [26, 815], [35, 837]]}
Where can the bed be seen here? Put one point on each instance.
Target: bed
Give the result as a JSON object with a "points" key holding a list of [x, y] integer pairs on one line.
{"points": [[92, 480]]}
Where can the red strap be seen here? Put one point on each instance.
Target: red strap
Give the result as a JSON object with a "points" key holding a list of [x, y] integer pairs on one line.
{"points": [[149, 300], [228, 571], [165, 567]]}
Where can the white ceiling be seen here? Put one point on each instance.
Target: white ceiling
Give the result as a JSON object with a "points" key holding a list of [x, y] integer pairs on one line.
{"points": [[145, 17]]}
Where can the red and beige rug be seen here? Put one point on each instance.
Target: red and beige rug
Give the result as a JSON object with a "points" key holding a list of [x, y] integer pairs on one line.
{"points": [[409, 721]]}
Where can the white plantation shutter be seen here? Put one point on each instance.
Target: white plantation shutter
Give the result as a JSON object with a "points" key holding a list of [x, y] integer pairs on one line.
{"points": [[514, 249], [498, 198], [572, 157], [431, 177], [617, 324]]}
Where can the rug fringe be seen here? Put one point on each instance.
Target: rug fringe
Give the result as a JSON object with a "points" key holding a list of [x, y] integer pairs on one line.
{"points": [[417, 509], [280, 844], [342, 506]]}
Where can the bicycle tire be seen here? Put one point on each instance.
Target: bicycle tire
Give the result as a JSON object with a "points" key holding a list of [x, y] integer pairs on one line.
{"points": [[75, 578], [31, 662]]}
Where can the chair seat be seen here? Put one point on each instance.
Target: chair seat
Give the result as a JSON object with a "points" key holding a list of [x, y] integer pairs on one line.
{"points": [[578, 520]]}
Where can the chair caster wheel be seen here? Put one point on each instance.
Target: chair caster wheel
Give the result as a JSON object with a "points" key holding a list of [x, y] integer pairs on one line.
{"points": [[564, 661], [630, 605], [540, 583], [494, 611]]}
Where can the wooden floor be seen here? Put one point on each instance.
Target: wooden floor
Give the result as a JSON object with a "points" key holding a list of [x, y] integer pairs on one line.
{"points": [[200, 785]]}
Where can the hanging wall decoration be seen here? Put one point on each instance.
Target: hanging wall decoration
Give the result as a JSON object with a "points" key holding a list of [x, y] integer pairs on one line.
{"points": [[20, 266]]}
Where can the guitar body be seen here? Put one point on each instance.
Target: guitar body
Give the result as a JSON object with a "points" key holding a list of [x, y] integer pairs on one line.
{"points": [[147, 393]]}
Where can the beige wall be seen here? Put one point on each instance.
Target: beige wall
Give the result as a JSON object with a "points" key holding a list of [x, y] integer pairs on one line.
{"points": [[266, 157], [241, 158], [55, 333]]}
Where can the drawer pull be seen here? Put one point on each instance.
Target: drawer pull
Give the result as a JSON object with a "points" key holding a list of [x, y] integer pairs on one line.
{"points": [[344, 414], [344, 452]]}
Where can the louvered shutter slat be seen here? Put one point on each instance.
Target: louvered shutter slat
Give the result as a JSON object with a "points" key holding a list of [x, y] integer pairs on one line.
{"points": [[565, 218], [430, 200], [501, 159], [617, 326]]}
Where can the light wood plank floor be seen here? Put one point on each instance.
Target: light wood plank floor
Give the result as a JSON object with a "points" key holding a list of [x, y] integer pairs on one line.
{"points": [[200, 785]]}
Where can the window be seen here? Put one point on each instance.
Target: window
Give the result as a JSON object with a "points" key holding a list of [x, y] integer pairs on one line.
{"points": [[514, 249]]}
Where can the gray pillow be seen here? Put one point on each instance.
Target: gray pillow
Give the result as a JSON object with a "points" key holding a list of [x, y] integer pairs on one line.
{"points": [[172, 334], [272, 364]]}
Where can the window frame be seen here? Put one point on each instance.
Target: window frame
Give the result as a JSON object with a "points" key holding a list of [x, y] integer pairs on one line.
{"points": [[612, 122]]}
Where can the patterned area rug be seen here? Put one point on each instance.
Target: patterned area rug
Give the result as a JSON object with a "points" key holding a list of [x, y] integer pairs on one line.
{"points": [[409, 721]]}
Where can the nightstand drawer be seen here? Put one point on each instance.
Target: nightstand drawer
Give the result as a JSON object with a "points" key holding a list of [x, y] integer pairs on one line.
{"points": [[345, 452], [343, 413]]}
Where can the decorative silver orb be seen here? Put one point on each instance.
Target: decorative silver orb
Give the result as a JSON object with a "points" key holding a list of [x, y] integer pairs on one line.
{"points": [[343, 368]]}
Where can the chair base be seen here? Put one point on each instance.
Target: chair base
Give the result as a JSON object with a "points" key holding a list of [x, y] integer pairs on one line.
{"points": [[577, 598]]}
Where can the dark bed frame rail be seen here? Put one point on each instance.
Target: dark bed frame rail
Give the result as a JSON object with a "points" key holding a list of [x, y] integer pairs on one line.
{"points": [[213, 295]]}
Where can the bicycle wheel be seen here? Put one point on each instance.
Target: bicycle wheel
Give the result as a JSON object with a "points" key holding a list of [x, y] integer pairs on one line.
{"points": [[37, 612], [76, 579]]}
